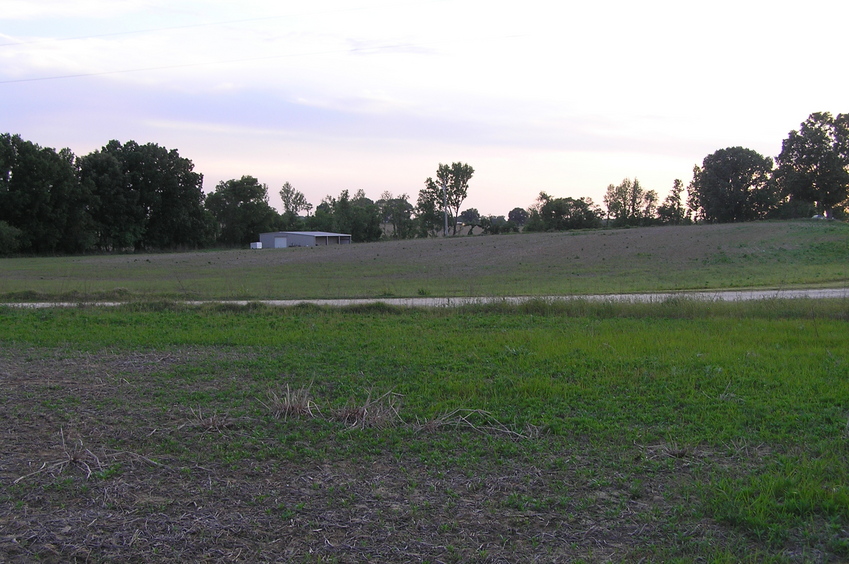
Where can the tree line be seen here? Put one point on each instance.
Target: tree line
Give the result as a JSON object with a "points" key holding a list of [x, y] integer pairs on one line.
{"points": [[132, 197], [809, 178]]}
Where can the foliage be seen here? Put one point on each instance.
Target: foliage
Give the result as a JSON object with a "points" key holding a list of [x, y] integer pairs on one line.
{"points": [[673, 211], [495, 225], [241, 211], [559, 214], [294, 202], [733, 184], [447, 192], [358, 216], [629, 204], [470, 217], [41, 196], [518, 216], [654, 418], [9, 238], [429, 216], [813, 165], [148, 197], [398, 213]]}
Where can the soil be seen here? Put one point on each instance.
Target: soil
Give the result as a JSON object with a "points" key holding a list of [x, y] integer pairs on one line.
{"points": [[91, 471]]}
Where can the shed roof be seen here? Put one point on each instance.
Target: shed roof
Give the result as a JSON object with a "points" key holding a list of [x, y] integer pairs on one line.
{"points": [[313, 233]]}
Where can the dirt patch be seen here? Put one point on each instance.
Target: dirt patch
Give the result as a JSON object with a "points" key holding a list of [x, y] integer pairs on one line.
{"points": [[94, 471]]}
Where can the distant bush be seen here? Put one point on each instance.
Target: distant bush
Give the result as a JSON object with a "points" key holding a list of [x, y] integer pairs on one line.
{"points": [[9, 238]]}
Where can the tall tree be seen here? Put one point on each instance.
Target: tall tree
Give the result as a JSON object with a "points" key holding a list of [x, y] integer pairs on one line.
{"points": [[149, 197], [629, 204], [518, 216], [241, 210], [358, 216], [41, 197], [397, 212], [449, 189], [733, 184], [119, 220], [560, 214], [429, 214], [813, 165], [294, 202], [672, 210]]}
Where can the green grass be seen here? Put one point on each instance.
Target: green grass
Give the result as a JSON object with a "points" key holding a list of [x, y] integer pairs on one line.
{"points": [[747, 403], [764, 254]]}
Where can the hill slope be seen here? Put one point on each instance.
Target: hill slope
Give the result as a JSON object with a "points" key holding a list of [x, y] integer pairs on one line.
{"points": [[765, 254]]}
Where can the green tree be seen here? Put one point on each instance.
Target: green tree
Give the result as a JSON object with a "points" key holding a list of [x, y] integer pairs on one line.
{"points": [[41, 197], [241, 211], [518, 216], [560, 214], [358, 216], [471, 217], [429, 215], [294, 202], [629, 204], [673, 211], [733, 184], [397, 212], [450, 189], [149, 197], [9, 238], [813, 165], [119, 221]]}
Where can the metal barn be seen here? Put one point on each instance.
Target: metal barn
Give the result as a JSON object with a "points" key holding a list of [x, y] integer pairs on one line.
{"points": [[283, 239]]}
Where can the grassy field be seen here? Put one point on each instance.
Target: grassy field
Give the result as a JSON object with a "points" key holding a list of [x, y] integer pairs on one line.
{"points": [[681, 431], [547, 431], [697, 257]]}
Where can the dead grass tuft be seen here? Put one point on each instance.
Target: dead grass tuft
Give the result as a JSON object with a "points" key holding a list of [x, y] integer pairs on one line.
{"points": [[216, 422], [290, 403], [477, 420], [77, 455], [379, 413]]}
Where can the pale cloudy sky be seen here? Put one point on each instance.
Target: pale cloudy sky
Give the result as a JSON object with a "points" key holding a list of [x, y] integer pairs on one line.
{"points": [[565, 97]]}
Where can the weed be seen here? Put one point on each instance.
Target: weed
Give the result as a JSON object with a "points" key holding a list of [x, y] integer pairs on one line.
{"points": [[290, 403], [378, 413]]}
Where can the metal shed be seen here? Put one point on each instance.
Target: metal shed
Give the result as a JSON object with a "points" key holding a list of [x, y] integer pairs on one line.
{"points": [[283, 239]]}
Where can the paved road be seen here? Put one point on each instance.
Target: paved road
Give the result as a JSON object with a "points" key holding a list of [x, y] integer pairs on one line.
{"points": [[725, 296]]}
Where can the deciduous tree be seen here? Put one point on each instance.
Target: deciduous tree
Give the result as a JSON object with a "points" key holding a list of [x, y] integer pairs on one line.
{"points": [[559, 214], [673, 211], [241, 210], [733, 184], [294, 202], [814, 162], [518, 216], [42, 198], [629, 204], [450, 189], [149, 197], [397, 212]]}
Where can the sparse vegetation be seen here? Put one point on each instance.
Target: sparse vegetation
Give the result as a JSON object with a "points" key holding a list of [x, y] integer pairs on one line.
{"points": [[551, 431], [696, 257]]}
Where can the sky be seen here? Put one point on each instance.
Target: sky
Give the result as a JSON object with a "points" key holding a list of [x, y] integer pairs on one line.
{"points": [[562, 97]]}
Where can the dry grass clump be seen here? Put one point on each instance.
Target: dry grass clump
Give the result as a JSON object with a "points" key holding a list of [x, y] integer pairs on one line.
{"points": [[77, 455], [384, 411], [291, 403], [215, 422], [379, 413], [477, 420]]}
